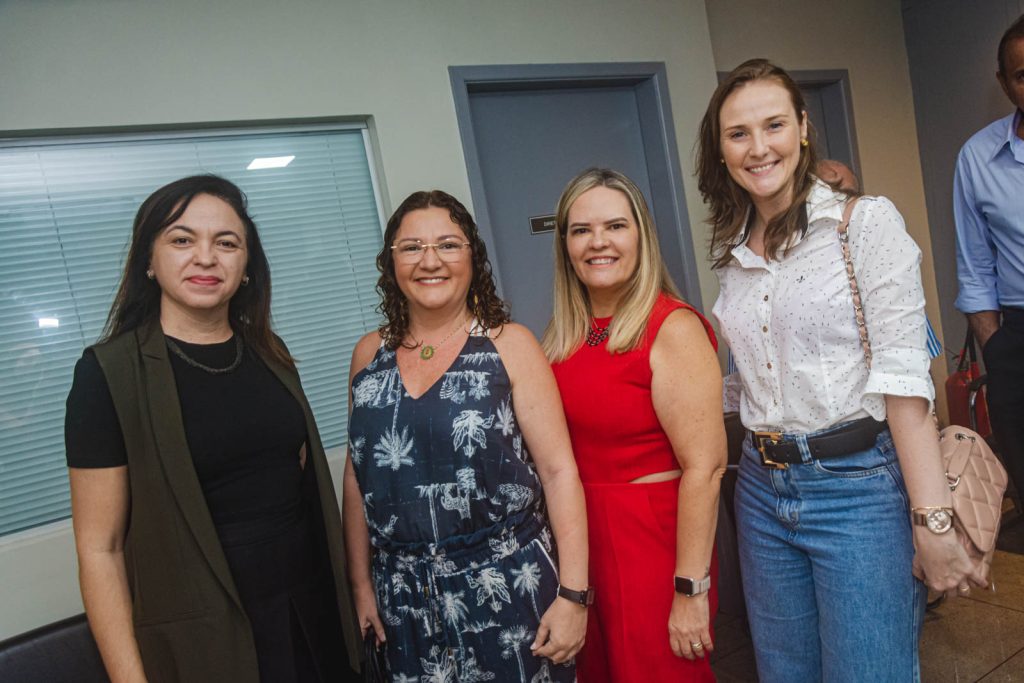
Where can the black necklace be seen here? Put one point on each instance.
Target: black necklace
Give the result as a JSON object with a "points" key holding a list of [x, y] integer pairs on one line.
{"points": [[596, 335], [176, 350]]}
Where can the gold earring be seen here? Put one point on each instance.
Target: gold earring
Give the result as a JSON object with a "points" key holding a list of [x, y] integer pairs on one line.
{"points": [[804, 142]]}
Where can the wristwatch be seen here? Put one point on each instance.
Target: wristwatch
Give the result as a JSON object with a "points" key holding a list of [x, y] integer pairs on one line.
{"points": [[939, 520], [691, 587], [584, 597]]}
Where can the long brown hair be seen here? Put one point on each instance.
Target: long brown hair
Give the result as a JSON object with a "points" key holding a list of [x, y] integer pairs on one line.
{"points": [[570, 320], [482, 299], [138, 298], [729, 203]]}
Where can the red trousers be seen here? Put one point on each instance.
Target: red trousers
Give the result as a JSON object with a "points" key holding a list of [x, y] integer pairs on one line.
{"points": [[632, 562]]}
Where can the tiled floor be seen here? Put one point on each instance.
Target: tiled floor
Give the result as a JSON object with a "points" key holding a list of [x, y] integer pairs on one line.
{"points": [[979, 638]]}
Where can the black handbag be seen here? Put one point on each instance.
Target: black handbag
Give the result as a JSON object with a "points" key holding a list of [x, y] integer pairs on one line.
{"points": [[375, 664]]}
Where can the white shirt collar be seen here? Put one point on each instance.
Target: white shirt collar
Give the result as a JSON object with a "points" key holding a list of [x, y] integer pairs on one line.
{"points": [[824, 203], [1011, 139], [824, 208]]}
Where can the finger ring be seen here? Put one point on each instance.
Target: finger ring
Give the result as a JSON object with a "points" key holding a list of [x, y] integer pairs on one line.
{"points": [[697, 646], [964, 589]]}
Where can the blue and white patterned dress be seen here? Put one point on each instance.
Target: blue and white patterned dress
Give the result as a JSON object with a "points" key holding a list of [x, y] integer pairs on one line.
{"points": [[462, 556]]}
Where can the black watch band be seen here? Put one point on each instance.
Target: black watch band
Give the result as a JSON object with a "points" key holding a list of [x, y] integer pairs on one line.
{"points": [[585, 597], [691, 587]]}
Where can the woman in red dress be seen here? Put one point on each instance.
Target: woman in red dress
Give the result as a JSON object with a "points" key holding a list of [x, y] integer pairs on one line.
{"points": [[642, 390]]}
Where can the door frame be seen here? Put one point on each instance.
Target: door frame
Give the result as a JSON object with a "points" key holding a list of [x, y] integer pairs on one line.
{"points": [[834, 85], [656, 122]]}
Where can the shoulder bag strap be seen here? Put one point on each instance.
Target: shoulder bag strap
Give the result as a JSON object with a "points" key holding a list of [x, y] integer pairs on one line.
{"points": [[858, 308]]}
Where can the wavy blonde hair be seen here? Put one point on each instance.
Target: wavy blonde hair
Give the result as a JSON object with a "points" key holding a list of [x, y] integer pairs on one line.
{"points": [[572, 315]]}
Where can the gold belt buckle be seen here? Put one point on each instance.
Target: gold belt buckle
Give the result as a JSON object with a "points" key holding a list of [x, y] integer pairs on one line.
{"points": [[761, 439]]}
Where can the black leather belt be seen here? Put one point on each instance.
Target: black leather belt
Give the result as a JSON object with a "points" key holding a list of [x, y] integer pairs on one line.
{"points": [[856, 436]]}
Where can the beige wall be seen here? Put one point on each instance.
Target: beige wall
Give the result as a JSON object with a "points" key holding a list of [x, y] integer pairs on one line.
{"points": [[82, 63], [866, 38], [110, 63]]}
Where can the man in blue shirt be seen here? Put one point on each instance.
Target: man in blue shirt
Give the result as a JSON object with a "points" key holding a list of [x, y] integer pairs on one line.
{"points": [[988, 205]]}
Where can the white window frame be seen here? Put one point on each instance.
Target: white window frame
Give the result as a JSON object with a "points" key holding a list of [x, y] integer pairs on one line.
{"points": [[39, 565]]}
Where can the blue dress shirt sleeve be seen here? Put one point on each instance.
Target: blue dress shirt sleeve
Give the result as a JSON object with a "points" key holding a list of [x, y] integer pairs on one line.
{"points": [[975, 252]]}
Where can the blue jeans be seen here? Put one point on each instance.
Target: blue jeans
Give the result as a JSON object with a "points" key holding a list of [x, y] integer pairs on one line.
{"points": [[825, 554]]}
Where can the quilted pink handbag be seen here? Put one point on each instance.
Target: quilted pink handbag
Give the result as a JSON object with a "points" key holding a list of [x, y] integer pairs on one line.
{"points": [[976, 477], [978, 481]]}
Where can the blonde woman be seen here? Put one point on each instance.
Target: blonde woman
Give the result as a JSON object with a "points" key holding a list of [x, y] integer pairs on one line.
{"points": [[641, 387]]}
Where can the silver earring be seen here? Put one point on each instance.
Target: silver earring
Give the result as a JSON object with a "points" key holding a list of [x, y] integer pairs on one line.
{"points": [[150, 274], [245, 280]]}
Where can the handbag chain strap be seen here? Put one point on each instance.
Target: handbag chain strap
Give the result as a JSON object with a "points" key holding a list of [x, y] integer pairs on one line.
{"points": [[858, 307]]}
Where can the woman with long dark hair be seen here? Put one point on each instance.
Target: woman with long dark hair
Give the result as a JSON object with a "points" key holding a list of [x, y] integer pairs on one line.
{"points": [[207, 529], [841, 452], [460, 471]]}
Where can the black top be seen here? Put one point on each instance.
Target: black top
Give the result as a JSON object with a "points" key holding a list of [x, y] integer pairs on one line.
{"points": [[244, 431]]}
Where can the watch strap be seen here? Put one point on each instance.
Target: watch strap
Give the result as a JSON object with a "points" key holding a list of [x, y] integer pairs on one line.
{"points": [[584, 597], [919, 515], [691, 587]]}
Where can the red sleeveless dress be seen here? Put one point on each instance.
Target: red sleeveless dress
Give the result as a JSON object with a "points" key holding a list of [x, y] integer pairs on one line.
{"points": [[616, 438]]}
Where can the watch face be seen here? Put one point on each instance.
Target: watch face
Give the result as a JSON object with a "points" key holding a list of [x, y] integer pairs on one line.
{"points": [[938, 521], [690, 587]]}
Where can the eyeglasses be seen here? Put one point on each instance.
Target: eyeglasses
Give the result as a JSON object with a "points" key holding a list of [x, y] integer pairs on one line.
{"points": [[413, 251]]}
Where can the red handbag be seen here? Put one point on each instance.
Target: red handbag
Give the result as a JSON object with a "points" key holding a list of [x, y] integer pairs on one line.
{"points": [[959, 388]]}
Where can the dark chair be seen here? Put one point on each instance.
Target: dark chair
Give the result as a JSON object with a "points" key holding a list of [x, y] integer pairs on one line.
{"points": [[62, 652]]}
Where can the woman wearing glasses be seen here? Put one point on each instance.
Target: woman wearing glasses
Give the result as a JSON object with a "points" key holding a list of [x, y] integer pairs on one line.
{"points": [[457, 441]]}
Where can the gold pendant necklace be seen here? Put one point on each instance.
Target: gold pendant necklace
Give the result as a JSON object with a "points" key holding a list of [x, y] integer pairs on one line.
{"points": [[427, 351]]}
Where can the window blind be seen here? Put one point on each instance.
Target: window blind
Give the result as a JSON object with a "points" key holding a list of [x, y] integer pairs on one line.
{"points": [[66, 210]]}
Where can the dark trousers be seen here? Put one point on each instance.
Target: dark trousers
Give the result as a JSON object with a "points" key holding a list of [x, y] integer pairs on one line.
{"points": [[1004, 364]]}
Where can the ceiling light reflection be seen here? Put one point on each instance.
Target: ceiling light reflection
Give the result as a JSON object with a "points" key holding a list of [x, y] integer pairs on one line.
{"points": [[269, 162]]}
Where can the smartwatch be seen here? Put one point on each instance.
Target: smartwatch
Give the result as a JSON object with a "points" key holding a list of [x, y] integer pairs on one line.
{"points": [[584, 597], [691, 587]]}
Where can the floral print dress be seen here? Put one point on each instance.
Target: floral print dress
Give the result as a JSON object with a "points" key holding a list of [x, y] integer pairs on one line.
{"points": [[463, 561]]}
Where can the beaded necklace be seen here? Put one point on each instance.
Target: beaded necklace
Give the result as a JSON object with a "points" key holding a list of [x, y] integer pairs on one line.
{"points": [[177, 351]]}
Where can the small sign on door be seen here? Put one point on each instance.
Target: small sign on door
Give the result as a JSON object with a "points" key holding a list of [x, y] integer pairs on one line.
{"points": [[542, 224]]}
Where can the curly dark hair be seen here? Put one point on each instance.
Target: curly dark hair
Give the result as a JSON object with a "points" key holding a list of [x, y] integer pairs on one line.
{"points": [[482, 299]]}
